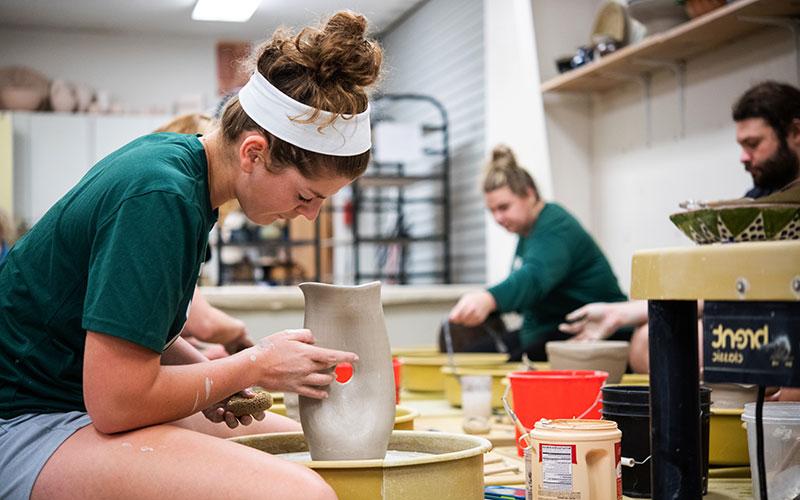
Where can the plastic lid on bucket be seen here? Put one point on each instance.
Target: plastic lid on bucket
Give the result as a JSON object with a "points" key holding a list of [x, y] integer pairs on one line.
{"points": [[783, 412], [576, 424], [558, 374]]}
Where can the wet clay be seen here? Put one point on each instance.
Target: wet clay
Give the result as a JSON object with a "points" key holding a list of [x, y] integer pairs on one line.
{"points": [[356, 420]]}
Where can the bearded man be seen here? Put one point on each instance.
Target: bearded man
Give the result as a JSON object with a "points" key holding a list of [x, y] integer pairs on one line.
{"points": [[767, 120]]}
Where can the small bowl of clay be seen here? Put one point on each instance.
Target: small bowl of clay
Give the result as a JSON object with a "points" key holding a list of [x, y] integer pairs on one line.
{"points": [[606, 355]]}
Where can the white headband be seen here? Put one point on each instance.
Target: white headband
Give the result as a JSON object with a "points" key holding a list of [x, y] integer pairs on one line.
{"points": [[281, 115]]}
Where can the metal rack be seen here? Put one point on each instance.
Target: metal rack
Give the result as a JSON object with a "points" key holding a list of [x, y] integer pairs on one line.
{"points": [[383, 190], [283, 243]]}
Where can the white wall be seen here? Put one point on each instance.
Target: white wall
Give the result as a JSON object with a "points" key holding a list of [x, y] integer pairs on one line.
{"points": [[141, 72], [561, 27], [53, 151], [605, 172], [637, 186], [514, 111]]}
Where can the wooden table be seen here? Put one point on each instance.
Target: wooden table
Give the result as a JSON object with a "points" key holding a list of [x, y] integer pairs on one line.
{"points": [[504, 467]]}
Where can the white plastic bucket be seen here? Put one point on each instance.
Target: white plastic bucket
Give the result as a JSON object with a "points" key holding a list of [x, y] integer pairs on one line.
{"points": [[781, 423]]}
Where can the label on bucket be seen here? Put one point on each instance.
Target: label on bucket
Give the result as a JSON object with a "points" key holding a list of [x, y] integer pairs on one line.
{"points": [[557, 461]]}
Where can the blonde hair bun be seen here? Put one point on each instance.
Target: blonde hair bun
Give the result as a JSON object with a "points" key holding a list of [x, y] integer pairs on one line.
{"points": [[503, 157], [502, 170]]}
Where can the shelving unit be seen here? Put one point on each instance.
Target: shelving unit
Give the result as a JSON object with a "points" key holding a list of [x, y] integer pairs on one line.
{"points": [[285, 245], [686, 40], [383, 190]]}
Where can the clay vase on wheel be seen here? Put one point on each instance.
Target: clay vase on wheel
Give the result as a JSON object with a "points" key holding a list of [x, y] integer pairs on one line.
{"points": [[355, 421]]}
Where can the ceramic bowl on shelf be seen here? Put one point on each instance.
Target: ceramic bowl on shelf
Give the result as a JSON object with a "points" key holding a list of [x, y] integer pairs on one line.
{"points": [[22, 88], [612, 22], [20, 98], [62, 96], [696, 8], [657, 15]]}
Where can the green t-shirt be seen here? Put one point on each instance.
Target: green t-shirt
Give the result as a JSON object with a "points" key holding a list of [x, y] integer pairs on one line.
{"points": [[119, 254], [557, 268]]}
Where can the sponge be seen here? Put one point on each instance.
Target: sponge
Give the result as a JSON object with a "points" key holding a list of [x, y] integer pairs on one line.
{"points": [[240, 405]]}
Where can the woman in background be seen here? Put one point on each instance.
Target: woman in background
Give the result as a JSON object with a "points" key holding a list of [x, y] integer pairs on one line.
{"points": [[557, 266]]}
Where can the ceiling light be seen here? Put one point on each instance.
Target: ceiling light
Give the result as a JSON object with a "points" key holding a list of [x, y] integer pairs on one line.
{"points": [[234, 11]]}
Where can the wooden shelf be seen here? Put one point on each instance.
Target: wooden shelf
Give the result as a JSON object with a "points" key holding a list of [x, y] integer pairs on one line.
{"points": [[679, 43]]}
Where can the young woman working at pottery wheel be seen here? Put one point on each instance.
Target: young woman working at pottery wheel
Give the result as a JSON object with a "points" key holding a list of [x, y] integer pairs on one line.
{"points": [[557, 268], [99, 395]]}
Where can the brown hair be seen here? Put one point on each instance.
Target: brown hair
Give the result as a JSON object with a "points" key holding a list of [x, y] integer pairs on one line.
{"points": [[502, 170], [777, 103], [327, 68], [192, 123]]}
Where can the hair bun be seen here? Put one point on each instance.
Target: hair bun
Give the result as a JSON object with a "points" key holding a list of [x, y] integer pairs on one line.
{"points": [[348, 23], [503, 157], [327, 67], [344, 56]]}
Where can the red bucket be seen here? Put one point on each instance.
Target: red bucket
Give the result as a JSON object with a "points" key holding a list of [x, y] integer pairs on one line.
{"points": [[556, 394]]}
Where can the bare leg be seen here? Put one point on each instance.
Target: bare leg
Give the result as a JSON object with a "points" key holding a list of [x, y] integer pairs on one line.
{"points": [[639, 357], [271, 423], [168, 462]]}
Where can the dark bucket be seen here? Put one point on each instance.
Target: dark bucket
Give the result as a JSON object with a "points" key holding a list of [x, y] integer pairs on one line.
{"points": [[629, 407]]}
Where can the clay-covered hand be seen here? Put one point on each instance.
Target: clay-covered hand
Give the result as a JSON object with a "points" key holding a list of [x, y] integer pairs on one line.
{"points": [[473, 308], [599, 320], [289, 361], [218, 412]]}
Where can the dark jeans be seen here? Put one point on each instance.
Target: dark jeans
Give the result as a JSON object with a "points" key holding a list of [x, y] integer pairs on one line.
{"points": [[534, 350]]}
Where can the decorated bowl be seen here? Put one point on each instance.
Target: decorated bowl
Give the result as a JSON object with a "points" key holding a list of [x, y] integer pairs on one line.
{"points": [[740, 222]]}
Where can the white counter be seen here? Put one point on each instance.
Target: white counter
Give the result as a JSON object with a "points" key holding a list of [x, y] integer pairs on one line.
{"points": [[413, 313]]}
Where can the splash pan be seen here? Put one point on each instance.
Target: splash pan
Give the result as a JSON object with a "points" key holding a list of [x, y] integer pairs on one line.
{"points": [[418, 465]]}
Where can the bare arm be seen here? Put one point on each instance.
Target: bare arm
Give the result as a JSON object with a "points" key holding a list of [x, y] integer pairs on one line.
{"points": [[181, 352], [209, 324], [125, 386]]}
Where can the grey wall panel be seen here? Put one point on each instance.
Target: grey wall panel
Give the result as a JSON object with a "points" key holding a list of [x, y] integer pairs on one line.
{"points": [[439, 51]]}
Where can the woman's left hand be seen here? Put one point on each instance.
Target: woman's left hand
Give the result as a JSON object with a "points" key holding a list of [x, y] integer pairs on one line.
{"points": [[216, 413]]}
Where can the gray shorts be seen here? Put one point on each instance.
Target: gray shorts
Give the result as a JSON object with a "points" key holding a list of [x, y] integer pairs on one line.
{"points": [[27, 442]]}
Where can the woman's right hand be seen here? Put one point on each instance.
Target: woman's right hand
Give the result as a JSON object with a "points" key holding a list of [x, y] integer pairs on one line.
{"points": [[289, 361]]}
